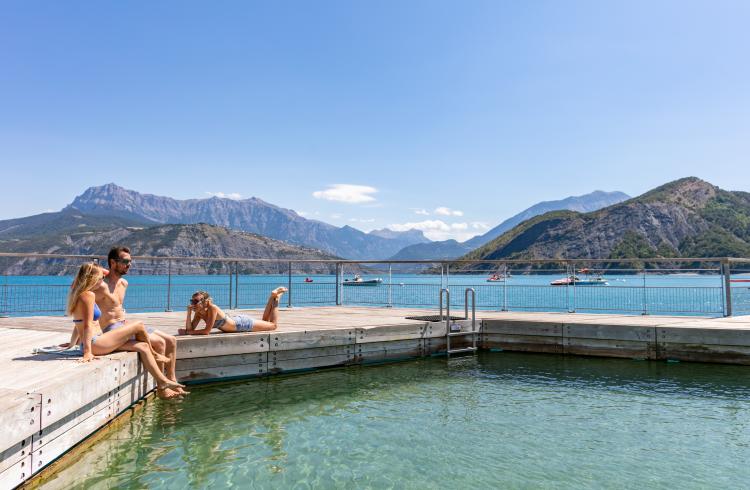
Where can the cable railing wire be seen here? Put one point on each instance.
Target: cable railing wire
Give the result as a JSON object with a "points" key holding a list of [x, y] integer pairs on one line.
{"points": [[166, 283]]}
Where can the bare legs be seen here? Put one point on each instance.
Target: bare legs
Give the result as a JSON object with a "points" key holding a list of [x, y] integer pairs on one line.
{"points": [[271, 313], [158, 344], [120, 339], [169, 343]]}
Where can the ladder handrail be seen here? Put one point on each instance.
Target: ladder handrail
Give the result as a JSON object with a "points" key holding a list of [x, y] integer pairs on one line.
{"points": [[448, 300], [473, 307], [473, 314]]}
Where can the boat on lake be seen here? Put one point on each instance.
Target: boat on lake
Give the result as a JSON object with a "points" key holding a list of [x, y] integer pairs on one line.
{"points": [[358, 281], [573, 280]]}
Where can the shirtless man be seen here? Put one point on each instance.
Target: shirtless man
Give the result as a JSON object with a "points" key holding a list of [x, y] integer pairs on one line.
{"points": [[110, 297]]}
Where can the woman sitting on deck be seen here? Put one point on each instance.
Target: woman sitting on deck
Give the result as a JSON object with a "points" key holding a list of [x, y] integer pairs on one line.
{"points": [[202, 308], [93, 342]]}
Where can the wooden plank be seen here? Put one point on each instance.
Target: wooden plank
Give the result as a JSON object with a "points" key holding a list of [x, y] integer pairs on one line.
{"points": [[54, 448], [522, 328], [334, 350], [609, 332], [51, 431], [381, 351], [724, 354], [609, 348], [20, 418], [391, 332], [221, 345], [223, 372], [201, 363], [61, 397], [307, 339], [17, 473], [705, 336], [523, 343], [280, 366]]}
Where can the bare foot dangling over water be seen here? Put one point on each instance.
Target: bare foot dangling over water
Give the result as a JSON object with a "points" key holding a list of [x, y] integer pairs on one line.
{"points": [[167, 394]]}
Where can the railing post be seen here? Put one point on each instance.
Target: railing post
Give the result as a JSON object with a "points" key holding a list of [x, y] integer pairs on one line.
{"points": [[289, 287], [390, 285], [727, 287], [169, 285], [229, 265], [567, 288], [572, 269], [645, 296], [338, 284], [236, 285], [505, 287]]}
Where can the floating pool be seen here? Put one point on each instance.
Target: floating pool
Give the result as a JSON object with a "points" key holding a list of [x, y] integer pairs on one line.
{"points": [[497, 420]]}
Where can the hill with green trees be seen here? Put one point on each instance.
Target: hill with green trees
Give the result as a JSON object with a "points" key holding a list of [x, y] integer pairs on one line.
{"points": [[685, 218]]}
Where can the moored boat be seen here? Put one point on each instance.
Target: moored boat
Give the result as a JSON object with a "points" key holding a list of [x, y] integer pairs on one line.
{"points": [[358, 281], [576, 281]]}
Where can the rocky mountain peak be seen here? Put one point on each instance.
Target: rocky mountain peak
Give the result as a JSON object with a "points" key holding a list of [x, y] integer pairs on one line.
{"points": [[690, 192]]}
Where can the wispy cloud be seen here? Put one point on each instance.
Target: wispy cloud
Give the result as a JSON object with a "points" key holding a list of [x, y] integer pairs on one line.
{"points": [[348, 193], [225, 195], [480, 225], [421, 211], [436, 229], [443, 211], [362, 220], [336, 216]]}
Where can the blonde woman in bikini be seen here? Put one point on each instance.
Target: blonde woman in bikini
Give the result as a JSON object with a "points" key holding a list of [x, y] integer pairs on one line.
{"points": [[88, 334], [202, 308]]}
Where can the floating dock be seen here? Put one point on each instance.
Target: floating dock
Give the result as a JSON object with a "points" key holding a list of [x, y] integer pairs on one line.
{"points": [[49, 404]]}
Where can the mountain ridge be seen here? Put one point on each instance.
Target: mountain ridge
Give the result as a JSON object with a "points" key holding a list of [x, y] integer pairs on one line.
{"points": [[684, 218], [251, 215]]}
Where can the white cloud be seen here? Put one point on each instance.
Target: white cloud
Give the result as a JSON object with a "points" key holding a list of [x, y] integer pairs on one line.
{"points": [[348, 193], [436, 229], [362, 220], [225, 195], [336, 216], [480, 225], [443, 211], [421, 212]]}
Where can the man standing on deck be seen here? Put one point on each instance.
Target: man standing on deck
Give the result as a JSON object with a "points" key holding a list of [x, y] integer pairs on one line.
{"points": [[110, 297]]}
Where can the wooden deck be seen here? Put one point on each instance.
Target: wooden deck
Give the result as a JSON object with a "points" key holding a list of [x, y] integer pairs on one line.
{"points": [[50, 403]]}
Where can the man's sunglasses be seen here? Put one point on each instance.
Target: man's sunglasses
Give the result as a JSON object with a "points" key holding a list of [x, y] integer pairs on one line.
{"points": [[124, 261], [195, 301]]}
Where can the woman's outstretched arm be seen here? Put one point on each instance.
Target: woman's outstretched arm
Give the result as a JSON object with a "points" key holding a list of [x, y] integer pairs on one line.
{"points": [[87, 309]]}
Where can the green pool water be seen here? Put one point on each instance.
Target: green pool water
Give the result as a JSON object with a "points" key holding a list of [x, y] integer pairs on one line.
{"points": [[498, 420]]}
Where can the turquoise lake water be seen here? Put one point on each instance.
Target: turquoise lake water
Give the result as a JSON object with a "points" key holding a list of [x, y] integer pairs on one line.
{"points": [[680, 294], [498, 420]]}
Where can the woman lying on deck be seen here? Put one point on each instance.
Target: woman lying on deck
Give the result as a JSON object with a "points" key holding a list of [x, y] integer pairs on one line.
{"points": [[88, 334], [202, 308]]}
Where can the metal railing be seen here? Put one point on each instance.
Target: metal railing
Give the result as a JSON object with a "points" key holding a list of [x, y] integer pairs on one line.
{"points": [[685, 286]]}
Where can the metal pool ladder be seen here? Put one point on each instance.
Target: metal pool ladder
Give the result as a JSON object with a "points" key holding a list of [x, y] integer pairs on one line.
{"points": [[448, 333]]}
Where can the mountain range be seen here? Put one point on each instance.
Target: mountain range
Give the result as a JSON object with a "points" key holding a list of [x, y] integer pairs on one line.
{"points": [[251, 215], [684, 218], [451, 249], [77, 234]]}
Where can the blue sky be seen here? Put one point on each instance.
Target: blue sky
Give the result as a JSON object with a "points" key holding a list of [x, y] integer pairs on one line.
{"points": [[478, 109]]}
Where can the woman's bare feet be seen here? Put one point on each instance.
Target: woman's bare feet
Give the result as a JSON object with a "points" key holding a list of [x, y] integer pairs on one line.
{"points": [[182, 391], [167, 394], [277, 293]]}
